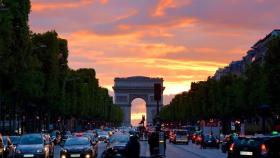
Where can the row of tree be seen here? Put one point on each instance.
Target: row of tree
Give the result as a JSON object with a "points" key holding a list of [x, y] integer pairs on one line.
{"points": [[232, 97], [35, 80]]}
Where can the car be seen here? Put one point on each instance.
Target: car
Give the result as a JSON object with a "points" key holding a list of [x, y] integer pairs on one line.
{"points": [[32, 145], [167, 132], [179, 136], [103, 136], [227, 141], [116, 146], [191, 130], [210, 141], [9, 148], [80, 147], [255, 147], [196, 136]]}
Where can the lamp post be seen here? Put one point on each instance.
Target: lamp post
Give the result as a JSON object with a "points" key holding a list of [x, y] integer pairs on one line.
{"points": [[157, 97]]}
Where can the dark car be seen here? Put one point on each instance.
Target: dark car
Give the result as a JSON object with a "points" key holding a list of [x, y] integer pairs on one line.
{"points": [[32, 145], [103, 136], [9, 148], [196, 136], [78, 147], [210, 141], [255, 147], [116, 146], [191, 130], [227, 141], [179, 136], [167, 132]]}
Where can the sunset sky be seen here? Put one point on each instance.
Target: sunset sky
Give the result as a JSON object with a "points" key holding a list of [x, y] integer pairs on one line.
{"points": [[180, 40]]}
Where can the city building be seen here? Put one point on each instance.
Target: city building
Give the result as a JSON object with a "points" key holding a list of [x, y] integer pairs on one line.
{"points": [[254, 56]]}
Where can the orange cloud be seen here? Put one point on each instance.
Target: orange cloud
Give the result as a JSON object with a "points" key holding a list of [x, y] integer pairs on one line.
{"points": [[165, 4], [37, 6], [121, 55], [104, 1]]}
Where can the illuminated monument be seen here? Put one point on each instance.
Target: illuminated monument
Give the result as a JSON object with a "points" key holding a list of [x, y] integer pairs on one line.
{"points": [[128, 89]]}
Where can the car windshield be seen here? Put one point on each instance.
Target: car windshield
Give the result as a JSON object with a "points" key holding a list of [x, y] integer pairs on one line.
{"points": [[248, 141], [53, 133], [119, 138], [15, 139], [209, 137], [181, 133], [102, 133], [191, 129], [88, 135], [77, 141], [5, 140], [31, 139], [66, 133]]}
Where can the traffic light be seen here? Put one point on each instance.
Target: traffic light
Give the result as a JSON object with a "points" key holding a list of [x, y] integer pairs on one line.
{"points": [[157, 91]]}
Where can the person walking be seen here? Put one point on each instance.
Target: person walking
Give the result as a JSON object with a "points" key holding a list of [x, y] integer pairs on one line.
{"points": [[133, 148], [153, 143]]}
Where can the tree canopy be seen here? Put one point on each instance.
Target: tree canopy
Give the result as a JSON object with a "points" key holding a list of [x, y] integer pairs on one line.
{"points": [[35, 79]]}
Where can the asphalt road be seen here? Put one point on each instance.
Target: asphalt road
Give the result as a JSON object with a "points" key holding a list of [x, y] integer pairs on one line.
{"points": [[172, 151]]}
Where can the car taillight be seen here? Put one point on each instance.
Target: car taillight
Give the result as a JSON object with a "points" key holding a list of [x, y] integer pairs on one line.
{"points": [[231, 147], [264, 149]]}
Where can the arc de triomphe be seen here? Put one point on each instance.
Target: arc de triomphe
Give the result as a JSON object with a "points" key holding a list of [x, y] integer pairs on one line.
{"points": [[128, 89]]}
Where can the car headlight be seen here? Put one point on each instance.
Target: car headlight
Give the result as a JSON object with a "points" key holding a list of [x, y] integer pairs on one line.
{"points": [[87, 156], [63, 156]]}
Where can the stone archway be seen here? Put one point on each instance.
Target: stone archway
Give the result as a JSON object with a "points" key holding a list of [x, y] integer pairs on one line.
{"points": [[138, 109], [128, 89]]}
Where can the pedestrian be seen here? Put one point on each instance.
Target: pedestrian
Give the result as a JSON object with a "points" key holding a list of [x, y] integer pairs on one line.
{"points": [[132, 148], [153, 143], [1, 146], [229, 142]]}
